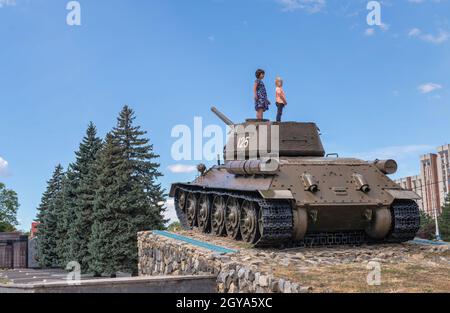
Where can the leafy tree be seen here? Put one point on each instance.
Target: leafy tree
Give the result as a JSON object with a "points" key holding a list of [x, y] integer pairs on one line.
{"points": [[48, 213], [444, 220], [80, 202], [9, 205], [127, 197]]}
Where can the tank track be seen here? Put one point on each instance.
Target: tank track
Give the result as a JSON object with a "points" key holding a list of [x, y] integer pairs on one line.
{"points": [[277, 216], [278, 223], [406, 221]]}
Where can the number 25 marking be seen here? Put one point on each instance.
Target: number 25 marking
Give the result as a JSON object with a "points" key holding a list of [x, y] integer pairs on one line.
{"points": [[243, 142]]}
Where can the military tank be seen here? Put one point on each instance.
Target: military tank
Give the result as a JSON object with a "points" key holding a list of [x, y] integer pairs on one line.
{"points": [[296, 195]]}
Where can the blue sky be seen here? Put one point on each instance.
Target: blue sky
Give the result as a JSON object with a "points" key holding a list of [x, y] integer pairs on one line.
{"points": [[380, 91]]}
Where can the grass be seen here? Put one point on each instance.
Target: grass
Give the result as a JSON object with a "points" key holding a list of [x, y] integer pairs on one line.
{"points": [[349, 278]]}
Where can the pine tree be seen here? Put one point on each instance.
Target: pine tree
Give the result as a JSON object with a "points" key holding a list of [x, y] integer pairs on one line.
{"points": [[444, 220], [68, 217], [48, 219], [427, 226], [127, 197], [82, 189]]}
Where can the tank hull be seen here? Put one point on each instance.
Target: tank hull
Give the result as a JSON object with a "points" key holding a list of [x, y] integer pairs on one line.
{"points": [[308, 200]]}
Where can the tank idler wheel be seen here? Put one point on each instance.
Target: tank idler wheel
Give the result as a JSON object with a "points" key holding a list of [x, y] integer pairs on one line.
{"points": [[249, 222], [182, 200], [191, 209], [232, 218], [218, 213], [204, 213]]}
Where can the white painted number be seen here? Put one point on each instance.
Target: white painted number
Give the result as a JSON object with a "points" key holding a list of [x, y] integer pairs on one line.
{"points": [[243, 142]]}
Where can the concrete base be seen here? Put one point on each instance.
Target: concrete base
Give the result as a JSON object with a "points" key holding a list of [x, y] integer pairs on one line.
{"points": [[162, 284]]}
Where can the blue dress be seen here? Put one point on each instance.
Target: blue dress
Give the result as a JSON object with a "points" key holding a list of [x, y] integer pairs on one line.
{"points": [[261, 102]]}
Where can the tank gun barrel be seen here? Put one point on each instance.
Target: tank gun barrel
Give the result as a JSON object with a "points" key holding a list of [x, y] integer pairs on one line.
{"points": [[222, 116]]}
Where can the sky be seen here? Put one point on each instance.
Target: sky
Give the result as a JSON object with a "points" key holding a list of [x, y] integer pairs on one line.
{"points": [[378, 91]]}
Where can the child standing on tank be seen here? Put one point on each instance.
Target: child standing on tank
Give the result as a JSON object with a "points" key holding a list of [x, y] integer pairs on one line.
{"points": [[280, 98], [260, 93]]}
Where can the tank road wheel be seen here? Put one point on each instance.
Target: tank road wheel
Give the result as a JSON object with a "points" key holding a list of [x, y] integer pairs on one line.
{"points": [[218, 216], [191, 209], [260, 222], [204, 214], [249, 222], [232, 218]]}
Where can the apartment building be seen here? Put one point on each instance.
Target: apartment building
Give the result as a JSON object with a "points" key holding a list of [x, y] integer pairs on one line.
{"points": [[433, 182]]}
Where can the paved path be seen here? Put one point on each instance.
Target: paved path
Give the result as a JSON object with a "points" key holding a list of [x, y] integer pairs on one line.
{"points": [[34, 276]]}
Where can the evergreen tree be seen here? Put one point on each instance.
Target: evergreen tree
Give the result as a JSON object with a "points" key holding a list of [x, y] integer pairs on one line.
{"points": [[68, 217], [48, 219], [427, 226], [83, 186], [444, 220], [127, 198]]}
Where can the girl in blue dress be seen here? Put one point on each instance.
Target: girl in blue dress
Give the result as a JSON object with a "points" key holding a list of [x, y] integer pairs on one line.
{"points": [[259, 89]]}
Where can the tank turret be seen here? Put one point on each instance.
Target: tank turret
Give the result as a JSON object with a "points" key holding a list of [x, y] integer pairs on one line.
{"points": [[262, 138]]}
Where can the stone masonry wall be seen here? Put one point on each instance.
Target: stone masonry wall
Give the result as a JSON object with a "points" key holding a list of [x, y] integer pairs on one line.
{"points": [[159, 255]]}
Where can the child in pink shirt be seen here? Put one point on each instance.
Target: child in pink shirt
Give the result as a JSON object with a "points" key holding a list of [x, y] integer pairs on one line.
{"points": [[280, 98]]}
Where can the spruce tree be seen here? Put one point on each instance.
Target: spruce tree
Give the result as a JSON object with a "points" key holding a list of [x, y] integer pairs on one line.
{"points": [[70, 186], [427, 226], [127, 197], [444, 220], [83, 186], [48, 219]]}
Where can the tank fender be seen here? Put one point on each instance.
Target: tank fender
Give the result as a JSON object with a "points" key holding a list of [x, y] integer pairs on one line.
{"points": [[277, 194], [403, 194]]}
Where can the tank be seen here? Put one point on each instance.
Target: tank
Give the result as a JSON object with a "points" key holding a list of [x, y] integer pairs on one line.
{"points": [[276, 186]]}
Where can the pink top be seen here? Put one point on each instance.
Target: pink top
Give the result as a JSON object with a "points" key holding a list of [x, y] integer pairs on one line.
{"points": [[281, 97]]}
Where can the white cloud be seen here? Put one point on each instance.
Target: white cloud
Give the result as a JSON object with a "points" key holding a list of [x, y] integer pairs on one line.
{"points": [[414, 32], [369, 32], [441, 36], [7, 3], [170, 213], [384, 27], [182, 168], [3, 165], [429, 87], [310, 6]]}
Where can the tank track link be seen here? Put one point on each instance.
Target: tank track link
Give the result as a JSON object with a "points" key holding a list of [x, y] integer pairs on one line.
{"points": [[278, 223], [277, 215]]}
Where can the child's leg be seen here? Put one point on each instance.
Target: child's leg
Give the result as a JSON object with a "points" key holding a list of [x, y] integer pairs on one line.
{"points": [[280, 112], [260, 114]]}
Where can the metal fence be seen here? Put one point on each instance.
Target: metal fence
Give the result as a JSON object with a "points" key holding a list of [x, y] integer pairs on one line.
{"points": [[13, 250]]}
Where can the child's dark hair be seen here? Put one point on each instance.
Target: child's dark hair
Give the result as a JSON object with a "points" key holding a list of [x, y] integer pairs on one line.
{"points": [[259, 72]]}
